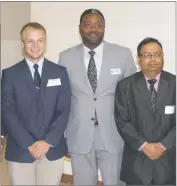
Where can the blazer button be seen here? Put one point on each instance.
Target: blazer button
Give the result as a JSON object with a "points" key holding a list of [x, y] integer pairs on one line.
{"points": [[95, 99], [92, 119]]}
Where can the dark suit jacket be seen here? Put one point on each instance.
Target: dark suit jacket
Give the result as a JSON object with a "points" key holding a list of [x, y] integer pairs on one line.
{"points": [[29, 115], [3, 130], [137, 124]]}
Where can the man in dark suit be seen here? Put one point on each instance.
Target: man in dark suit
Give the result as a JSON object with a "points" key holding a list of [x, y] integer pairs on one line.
{"points": [[36, 99], [145, 117]]}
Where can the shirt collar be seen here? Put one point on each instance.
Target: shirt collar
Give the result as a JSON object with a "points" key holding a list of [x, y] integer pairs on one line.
{"points": [[98, 50], [31, 64], [157, 77]]}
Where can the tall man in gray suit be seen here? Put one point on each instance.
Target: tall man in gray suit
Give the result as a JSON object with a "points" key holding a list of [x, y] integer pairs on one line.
{"points": [[36, 99], [145, 117], [94, 67]]}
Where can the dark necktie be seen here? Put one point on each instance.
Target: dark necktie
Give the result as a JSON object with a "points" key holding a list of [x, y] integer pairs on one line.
{"points": [[37, 78], [92, 71], [153, 93], [92, 76]]}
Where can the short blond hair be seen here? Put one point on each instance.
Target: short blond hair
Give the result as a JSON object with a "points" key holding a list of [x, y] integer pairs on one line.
{"points": [[34, 25]]}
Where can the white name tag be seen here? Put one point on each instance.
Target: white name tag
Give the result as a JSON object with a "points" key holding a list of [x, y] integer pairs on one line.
{"points": [[115, 71], [53, 82], [169, 109]]}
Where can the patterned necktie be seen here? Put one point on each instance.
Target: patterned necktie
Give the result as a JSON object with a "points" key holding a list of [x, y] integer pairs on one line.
{"points": [[92, 76], [37, 78], [153, 93], [92, 71]]}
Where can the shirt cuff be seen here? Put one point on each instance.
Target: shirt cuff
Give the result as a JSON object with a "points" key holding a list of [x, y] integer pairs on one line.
{"points": [[50, 144], [140, 149], [162, 146]]}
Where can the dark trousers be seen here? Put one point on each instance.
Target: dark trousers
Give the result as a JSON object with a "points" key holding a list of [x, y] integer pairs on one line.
{"points": [[171, 182]]}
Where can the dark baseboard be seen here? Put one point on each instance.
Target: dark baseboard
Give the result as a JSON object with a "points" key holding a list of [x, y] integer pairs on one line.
{"points": [[66, 178]]}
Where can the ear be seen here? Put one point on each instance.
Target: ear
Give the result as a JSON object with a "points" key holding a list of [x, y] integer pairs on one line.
{"points": [[22, 48], [22, 44], [45, 47], [79, 26]]}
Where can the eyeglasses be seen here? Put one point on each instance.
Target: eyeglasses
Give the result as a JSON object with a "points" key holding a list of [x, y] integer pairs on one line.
{"points": [[150, 55], [95, 26]]}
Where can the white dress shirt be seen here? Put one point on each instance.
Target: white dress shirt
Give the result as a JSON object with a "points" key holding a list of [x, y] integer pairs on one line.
{"points": [[31, 64], [97, 57]]}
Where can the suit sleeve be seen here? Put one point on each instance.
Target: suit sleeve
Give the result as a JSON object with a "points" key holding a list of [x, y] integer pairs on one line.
{"points": [[61, 61], [10, 120], [169, 140], [124, 120], [130, 67], [3, 130], [58, 126]]}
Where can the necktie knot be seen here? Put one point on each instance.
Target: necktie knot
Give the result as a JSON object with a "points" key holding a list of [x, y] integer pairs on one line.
{"points": [[36, 66], [92, 53], [152, 81]]}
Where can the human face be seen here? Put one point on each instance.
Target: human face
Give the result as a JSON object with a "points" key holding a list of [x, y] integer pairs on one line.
{"points": [[33, 44], [151, 59], [92, 30]]}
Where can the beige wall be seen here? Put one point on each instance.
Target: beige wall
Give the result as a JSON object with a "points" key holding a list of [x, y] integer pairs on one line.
{"points": [[13, 16], [127, 23]]}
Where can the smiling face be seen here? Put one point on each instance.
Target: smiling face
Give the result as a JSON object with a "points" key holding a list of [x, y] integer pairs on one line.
{"points": [[151, 59], [92, 29], [33, 43]]}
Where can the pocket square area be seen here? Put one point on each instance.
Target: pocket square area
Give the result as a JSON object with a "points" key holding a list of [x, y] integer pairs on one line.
{"points": [[53, 82], [169, 109], [115, 71]]}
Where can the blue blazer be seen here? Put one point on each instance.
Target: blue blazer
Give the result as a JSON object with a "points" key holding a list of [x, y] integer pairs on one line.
{"points": [[3, 130], [30, 115]]}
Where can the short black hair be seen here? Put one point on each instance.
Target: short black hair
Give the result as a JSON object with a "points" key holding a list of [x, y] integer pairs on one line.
{"points": [[91, 11], [147, 41]]}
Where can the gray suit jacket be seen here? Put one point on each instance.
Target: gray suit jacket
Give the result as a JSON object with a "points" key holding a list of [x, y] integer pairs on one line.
{"points": [[80, 128]]}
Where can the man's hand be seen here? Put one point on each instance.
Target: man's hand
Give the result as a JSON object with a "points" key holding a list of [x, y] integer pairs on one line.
{"points": [[68, 155], [153, 150], [3, 138], [39, 149], [160, 149]]}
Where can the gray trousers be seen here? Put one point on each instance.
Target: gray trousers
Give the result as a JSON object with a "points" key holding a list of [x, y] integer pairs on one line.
{"points": [[85, 167]]}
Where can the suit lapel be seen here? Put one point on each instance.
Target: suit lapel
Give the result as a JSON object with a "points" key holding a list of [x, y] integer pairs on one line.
{"points": [[27, 78], [82, 70], [104, 68], [162, 90], [142, 90], [44, 78]]}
